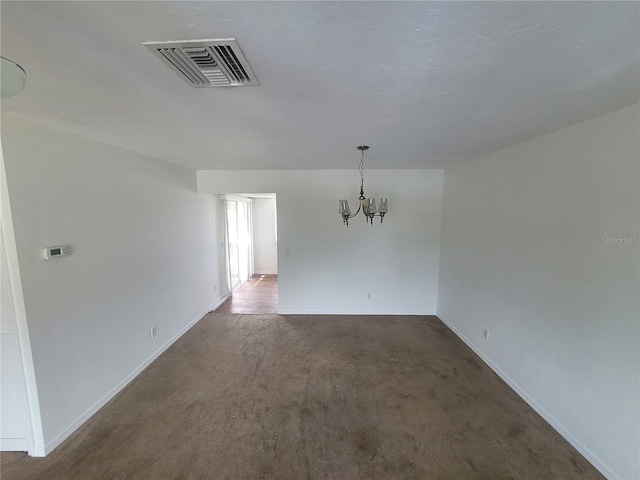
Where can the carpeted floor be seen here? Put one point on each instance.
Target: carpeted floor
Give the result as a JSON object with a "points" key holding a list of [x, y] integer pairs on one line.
{"points": [[317, 397]]}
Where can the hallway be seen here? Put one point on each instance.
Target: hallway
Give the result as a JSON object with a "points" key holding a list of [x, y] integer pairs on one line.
{"points": [[259, 295]]}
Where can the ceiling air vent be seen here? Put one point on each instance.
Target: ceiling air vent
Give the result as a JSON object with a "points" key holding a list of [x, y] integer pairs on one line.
{"points": [[206, 63]]}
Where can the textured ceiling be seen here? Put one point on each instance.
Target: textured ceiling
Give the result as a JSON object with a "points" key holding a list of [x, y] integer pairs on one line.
{"points": [[424, 83]]}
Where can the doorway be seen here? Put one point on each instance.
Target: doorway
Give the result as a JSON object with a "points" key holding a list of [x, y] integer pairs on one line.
{"points": [[251, 252]]}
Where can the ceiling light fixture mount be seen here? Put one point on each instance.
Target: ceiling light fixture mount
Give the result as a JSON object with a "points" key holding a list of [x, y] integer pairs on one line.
{"points": [[367, 205]]}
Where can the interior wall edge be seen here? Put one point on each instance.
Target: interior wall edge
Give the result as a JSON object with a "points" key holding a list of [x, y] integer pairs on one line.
{"points": [[62, 436], [82, 134], [559, 427], [526, 254]]}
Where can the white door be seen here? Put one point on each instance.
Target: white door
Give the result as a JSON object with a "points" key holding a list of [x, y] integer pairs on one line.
{"points": [[13, 398]]}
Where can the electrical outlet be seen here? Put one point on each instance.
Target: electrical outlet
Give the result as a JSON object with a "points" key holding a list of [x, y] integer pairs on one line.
{"points": [[485, 334], [215, 288], [368, 296], [153, 332]]}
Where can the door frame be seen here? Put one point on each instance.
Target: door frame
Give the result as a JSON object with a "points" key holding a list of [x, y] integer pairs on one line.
{"points": [[34, 432]]}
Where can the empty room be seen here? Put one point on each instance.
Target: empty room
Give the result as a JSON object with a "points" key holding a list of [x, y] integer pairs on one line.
{"points": [[443, 198]]}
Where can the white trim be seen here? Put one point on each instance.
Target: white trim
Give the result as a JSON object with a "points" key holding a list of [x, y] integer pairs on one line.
{"points": [[559, 427], [62, 436], [34, 433], [236, 198], [216, 305], [286, 311], [13, 444]]}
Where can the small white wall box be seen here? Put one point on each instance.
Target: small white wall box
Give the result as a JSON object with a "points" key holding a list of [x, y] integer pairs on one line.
{"points": [[55, 252]]}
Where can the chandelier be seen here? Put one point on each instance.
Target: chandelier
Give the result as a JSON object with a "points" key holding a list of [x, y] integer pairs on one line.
{"points": [[367, 205]]}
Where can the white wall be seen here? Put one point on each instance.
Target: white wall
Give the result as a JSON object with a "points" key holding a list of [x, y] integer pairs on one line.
{"points": [[265, 253], [525, 254], [325, 267], [144, 253]]}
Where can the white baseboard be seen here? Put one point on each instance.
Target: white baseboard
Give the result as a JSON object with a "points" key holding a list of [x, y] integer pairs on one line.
{"points": [[13, 445], [559, 427], [38, 452], [216, 305], [50, 446], [287, 311]]}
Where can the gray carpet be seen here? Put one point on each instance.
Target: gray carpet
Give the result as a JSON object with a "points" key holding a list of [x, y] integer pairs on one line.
{"points": [[312, 397]]}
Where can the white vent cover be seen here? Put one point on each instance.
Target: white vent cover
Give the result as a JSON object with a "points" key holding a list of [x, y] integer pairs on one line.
{"points": [[206, 63]]}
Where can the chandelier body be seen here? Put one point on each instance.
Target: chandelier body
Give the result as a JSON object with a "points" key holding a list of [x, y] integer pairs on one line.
{"points": [[366, 205]]}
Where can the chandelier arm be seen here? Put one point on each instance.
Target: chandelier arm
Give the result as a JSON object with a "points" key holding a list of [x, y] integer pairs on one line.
{"points": [[357, 212]]}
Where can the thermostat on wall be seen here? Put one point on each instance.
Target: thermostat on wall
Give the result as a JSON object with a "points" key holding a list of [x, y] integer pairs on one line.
{"points": [[55, 252]]}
